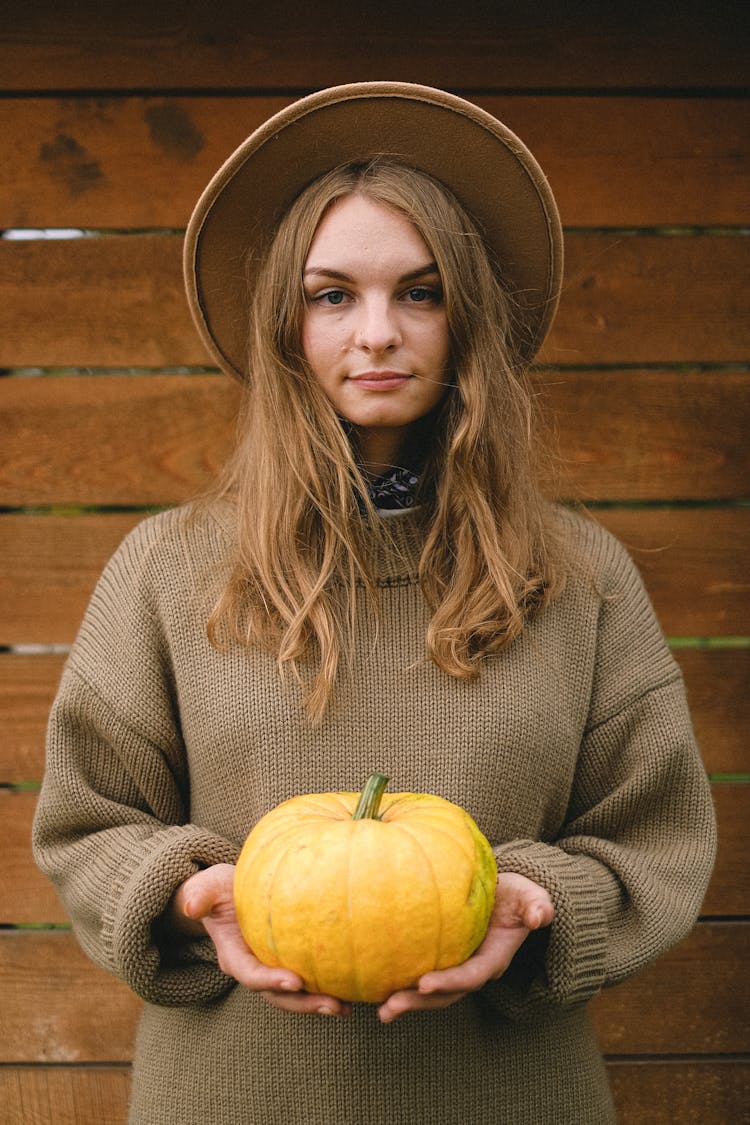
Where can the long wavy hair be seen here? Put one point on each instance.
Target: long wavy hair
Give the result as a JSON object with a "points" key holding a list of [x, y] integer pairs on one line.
{"points": [[305, 521]]}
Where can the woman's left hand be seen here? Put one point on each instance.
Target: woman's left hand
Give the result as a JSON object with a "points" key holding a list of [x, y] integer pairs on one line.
{"points": [[520, 907]]}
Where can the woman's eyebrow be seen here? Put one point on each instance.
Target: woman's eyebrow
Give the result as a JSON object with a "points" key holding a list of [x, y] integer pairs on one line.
{"points": [[338, 275]]}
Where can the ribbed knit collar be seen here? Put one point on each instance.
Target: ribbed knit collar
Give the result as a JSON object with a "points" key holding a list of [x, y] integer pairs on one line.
{"points": [[394, 545]]}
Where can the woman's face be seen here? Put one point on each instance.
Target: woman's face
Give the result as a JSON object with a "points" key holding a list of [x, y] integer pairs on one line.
{"points": [[374, 330]]}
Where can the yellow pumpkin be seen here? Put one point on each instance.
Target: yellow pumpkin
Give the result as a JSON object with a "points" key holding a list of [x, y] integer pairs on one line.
{"points": [[361, 895]]}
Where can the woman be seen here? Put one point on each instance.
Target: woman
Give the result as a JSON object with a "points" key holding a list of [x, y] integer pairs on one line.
{"points": [[376, 582]]}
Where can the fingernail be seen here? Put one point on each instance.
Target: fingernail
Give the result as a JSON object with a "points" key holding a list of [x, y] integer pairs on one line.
{"points": [[287, 985], [324, 1011]]}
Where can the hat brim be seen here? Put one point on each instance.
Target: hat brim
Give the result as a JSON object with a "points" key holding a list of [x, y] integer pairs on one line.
{"points": [[487, 167]]}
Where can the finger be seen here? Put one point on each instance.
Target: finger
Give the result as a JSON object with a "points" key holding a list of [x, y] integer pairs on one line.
{"points": [[238, 961], [412, 1000], [206, 890], [307, 1003], [489, 962], [538, 914]]}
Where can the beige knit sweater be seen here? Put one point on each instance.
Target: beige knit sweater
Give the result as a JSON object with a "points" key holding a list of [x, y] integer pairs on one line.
{"points": [[573, 751]]}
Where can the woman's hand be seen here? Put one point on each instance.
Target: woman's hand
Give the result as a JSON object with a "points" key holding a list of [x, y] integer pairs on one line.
{"points": [[520, 906], [204, 903]]}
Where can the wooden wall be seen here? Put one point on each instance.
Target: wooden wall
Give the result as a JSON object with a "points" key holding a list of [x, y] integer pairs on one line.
{"points": [[111, 123]]}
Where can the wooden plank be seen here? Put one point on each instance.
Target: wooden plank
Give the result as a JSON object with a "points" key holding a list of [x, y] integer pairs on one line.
{"points": [[125, 440], [729, 891], [694, 562], [649, 435], [651, 1092], [68, 46], [65, 1095], [717, 682], [58, 1006], [158, 439], [118, 301], [718, 687], [692, 1000], [28, 897], [656, 1092], [114, 440], [27, 688], [143, 161], [637, 299], [51, 565]]}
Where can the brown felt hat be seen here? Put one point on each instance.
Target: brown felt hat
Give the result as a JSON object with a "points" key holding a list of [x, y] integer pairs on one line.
{"points": [[488, 169]]}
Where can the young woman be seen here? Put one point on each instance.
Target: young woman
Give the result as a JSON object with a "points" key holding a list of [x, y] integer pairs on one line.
{"points": [[376, 582]]}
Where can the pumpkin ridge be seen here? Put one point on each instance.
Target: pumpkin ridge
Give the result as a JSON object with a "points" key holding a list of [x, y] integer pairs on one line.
{"points": [[353, 959], [470, 855], [420, 847]]}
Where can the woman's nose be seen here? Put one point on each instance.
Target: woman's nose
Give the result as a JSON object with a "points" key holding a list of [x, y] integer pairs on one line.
{"points": [[377, 326]]}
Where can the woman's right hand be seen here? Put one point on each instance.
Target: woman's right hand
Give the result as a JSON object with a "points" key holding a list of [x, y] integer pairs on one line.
{"points": [[204, 903]]}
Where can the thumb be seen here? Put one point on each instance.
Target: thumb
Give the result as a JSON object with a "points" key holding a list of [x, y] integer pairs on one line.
{"points": [[538, 913], [206, 890]]}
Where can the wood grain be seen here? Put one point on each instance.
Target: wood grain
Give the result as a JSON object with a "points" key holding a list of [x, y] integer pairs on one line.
{"points": [[27, 688], [51, 565], [650, 1092], [65, 1095], [67, 45], [717, 684], [157, 439], [142, 162], [647, 1092], [694, 562], [28, 897], [718, 691], [693, 1000], [113, 440], [118, 301]]}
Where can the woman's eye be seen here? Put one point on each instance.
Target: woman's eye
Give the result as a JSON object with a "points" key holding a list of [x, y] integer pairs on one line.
{"points": [[331, 297], [420, 294]]}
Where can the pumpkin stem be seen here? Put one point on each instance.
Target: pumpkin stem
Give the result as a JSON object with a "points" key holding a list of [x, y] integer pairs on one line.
{"points": [[370, 797]]}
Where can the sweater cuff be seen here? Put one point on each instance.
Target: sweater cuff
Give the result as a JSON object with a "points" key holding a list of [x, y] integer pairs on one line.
{"points": [[572, 967], [160, 967]]}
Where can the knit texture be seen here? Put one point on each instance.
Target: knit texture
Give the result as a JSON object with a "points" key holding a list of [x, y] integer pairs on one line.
{"points": [[573, 751]]}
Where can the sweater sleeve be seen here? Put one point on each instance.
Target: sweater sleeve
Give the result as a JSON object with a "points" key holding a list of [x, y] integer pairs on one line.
{"points": [[630, 866], [111, 829]]}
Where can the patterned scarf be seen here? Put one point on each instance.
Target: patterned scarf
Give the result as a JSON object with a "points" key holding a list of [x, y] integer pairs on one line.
{"points": [[395, 489]]}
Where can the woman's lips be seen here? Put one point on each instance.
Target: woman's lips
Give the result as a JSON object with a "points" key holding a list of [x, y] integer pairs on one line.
{"points": [[380, 380]]}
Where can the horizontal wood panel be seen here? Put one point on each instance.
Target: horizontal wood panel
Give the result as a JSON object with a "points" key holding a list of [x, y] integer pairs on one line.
{"points": [[68, 45], [694, 563], [27, 688], [27, 896], [693, 1000], [717, 683], [51, 565], [118, 301], [65, 1095], [143, 162], [649, 435], [58, 1007], [645, 1093], [113, 440], [681, 1093], [157, 439]]}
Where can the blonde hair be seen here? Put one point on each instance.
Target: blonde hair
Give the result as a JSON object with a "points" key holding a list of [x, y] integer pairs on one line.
{"points": [[488, 562]]}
